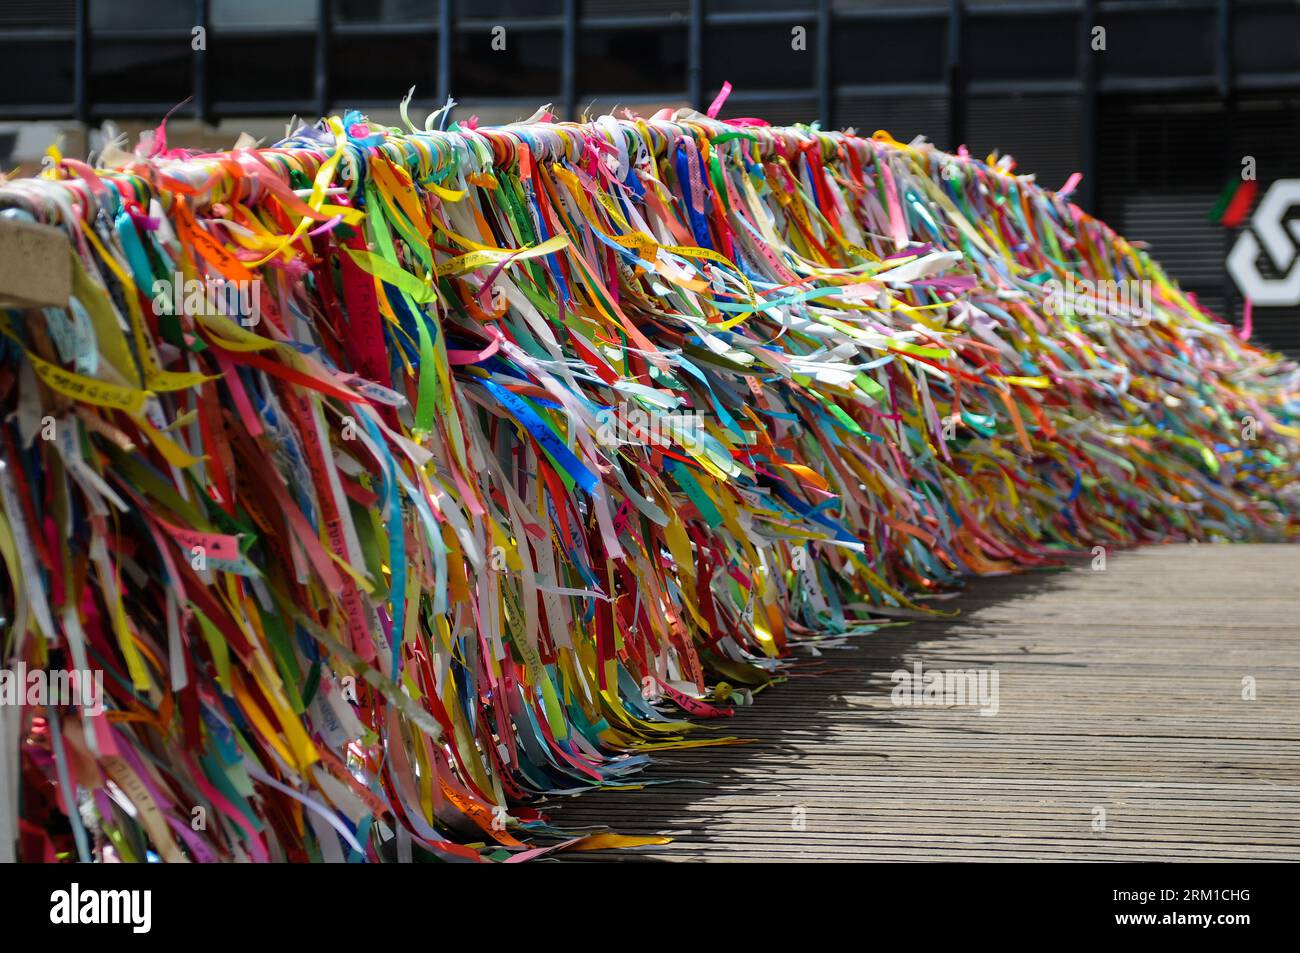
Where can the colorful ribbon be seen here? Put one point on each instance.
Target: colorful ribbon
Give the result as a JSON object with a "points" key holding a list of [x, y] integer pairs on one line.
{"points": [[397, 482]]}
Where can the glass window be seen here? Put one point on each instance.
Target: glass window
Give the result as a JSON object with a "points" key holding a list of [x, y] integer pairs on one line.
{"points": [[45, 68], [527, 67], [384, 11], [255, 15], [245, 69], [382, 69], [764, 56], [140, 15], [1165, 44], [158, 72], [632, 61], [503, 10], [890, 51], [1021, 47]]}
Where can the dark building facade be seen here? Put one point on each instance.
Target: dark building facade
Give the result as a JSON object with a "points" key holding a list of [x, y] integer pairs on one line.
{"points": [[1160, 103]]}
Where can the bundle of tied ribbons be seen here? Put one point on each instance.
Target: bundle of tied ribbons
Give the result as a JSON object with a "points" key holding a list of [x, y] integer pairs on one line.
{"points": [[397, 481]]}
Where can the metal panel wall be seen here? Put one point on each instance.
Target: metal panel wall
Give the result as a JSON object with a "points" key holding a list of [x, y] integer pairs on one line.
{"points": [[1164, 162], [1156, 116]]}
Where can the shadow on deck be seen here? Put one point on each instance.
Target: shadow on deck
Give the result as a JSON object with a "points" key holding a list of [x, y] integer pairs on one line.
{"points": [[1121, 732]]}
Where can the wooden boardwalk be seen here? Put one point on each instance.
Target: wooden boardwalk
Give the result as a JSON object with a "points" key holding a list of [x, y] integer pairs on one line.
{"points": [[1121, 732]]}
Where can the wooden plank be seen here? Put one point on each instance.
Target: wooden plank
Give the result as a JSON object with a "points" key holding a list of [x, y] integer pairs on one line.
{"points": [[1119, 691], [35, 267]]}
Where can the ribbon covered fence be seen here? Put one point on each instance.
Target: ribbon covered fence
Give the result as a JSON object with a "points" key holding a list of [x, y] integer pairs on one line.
{"points": [[374, 487]]}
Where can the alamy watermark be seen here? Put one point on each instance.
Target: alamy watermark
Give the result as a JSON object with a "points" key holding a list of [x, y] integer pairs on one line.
{"points": [[77, 905], [946, 688], [237, 298], [1103, 298], [629, 424], [40, 687]]}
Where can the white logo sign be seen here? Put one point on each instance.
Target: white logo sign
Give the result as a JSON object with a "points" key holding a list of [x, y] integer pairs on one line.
{"points": [[1268, 228]]}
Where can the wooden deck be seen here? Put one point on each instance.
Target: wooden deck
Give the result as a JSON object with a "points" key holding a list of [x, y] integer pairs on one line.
{"points": [[1119, 692]]}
